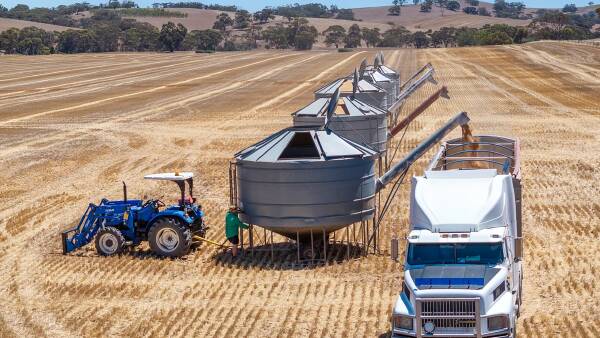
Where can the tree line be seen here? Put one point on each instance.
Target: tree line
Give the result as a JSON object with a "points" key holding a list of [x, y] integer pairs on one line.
{"points": [[107, 31]]}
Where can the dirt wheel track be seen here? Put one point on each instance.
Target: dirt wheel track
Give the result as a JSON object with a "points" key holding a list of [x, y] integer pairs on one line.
{"points": [[73, 126]]}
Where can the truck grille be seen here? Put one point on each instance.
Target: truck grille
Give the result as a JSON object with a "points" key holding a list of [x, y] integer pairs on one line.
{"points": [[449, 313]]}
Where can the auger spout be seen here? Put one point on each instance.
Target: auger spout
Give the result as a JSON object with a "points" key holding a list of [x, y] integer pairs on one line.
{"points": [[458, 120], [415, 82]]}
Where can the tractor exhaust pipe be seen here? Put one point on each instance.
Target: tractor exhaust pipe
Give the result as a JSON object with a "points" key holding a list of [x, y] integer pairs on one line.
{"points": [[124, 191], [419, 110], [458, 120]]}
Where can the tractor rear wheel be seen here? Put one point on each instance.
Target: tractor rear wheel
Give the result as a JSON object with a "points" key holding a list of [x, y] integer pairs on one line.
{"points": [[168, 237], [109, 242]]}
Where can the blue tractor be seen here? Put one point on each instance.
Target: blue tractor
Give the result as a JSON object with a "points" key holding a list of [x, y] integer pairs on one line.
{"points": [[116, 225]]}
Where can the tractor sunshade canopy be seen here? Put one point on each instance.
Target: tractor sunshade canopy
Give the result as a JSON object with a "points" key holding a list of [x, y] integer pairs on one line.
{"points": [[182, 176]]}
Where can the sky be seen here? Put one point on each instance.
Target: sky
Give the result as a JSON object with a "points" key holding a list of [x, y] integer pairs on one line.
{"points": [[254, 5]]}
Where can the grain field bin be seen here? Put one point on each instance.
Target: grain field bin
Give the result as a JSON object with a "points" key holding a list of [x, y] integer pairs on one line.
{"points": [[355, 120], [305, 179], [365, 92], [383, 77]]}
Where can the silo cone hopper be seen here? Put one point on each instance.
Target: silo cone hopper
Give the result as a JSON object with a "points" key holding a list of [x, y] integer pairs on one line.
{"points": [[305, 179]]}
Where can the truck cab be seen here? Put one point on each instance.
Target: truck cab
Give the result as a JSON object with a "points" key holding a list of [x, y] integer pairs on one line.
{"points": [[462, 268]]}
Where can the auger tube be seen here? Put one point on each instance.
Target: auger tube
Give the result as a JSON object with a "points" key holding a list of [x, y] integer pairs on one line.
{"points": [[458, 120], [443, 92]]}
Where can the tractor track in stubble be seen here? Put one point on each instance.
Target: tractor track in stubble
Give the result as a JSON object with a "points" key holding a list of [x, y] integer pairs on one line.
{"points": [[268, 296], [266, 74]]}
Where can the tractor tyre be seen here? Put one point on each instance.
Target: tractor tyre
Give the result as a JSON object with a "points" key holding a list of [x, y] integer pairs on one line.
{"points": [[168, 237], [109, 241]]}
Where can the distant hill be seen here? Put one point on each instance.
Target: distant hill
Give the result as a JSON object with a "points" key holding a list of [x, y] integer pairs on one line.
{"points": [[10, 23], [413, 19], [205, 18], [371, 17]]}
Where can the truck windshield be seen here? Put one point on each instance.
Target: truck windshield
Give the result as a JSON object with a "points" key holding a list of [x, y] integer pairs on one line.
{"points": [[455, 253]]}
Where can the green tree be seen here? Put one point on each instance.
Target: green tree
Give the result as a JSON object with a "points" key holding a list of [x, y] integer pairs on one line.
{"points": [[445, 37], [354, 37], [242, 19], [345, 14], [76, 41], [298, 26], [420, 40], [396, 37], [208, 39], [396, 9], [32, 46], [9, 40], [140, 37], [505, 9], [107, 37], [304, 40], [470, 10], [3, 9], [555, 21], [372, 36], [35, 41], [493, 38], [276, 36], [334, 35], [453, 5], [442, 4], [426, 6], [465, 36], [264, 15], [570, 8], [520, 35], [223, 21], [171, 36]]}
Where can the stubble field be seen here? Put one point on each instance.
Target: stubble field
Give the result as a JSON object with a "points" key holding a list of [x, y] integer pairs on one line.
{"points": [[73, 127]]}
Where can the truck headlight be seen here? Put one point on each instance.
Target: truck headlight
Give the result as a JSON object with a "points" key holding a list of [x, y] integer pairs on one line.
{"points": [[403, 322], [497, 323]]}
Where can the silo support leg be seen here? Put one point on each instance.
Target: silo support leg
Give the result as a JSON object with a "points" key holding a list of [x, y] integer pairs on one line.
{"points": [[272, 249], [251, 238], [298, 246], [325, 246], [347, 243]]}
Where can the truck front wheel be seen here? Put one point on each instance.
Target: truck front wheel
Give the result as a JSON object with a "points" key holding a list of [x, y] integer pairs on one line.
{"points": [[168, 237]]}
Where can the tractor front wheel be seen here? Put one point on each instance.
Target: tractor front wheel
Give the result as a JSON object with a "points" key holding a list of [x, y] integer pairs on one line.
{"points": [[169, 238], [109, 241]]}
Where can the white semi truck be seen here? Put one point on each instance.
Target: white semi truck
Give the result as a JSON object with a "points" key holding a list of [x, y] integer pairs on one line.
{"points": [[463, 272]]}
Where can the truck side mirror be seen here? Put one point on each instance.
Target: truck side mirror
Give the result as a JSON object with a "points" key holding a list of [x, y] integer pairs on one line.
{"points": [[518, 249]]}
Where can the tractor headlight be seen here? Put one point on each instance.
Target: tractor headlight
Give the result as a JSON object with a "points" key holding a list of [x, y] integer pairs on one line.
{"points": [[403, 322], [497, 323]]}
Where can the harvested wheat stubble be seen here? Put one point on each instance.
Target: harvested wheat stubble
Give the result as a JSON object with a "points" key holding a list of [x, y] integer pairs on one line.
{"points": [[69, 136]]}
